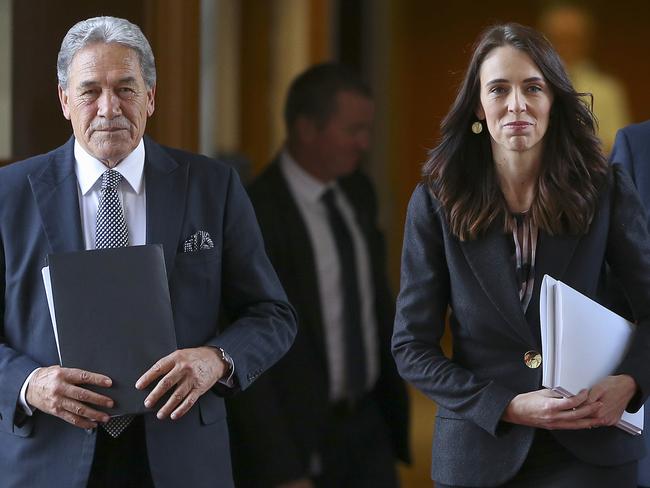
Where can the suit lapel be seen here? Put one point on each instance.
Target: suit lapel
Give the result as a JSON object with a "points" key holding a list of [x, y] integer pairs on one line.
{"points": [[166, 187], [300, 250], [56, 194], [490, 260]]}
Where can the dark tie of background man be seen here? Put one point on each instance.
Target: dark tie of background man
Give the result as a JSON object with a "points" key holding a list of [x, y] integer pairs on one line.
{"points": [[354, 351]]}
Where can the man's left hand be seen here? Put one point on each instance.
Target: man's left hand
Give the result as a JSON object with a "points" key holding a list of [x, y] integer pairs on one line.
{"points": [[191, 371]]}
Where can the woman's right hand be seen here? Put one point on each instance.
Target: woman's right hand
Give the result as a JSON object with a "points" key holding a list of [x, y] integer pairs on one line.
{"points": [[544, 409]]}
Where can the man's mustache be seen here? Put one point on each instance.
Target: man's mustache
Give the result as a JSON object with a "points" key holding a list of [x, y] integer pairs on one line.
{"points": [[115, 124]]}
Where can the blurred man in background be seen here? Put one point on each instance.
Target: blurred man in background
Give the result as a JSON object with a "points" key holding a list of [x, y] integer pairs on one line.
{"points": [[334, 412], [572, 31]]}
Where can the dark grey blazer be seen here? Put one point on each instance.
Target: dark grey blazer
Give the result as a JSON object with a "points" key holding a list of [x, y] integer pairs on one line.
{"points": [[491, 334], [39, 214]]}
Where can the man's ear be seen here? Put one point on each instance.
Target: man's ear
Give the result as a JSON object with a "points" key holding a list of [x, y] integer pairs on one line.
{"points": [[151, 100], [65, 102]]}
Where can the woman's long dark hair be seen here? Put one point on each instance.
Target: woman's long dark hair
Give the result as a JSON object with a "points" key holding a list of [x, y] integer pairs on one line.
{"points": [[460, 170]]}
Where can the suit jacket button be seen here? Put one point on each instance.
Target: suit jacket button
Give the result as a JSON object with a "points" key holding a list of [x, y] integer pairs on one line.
{"points": [[533, 359]]}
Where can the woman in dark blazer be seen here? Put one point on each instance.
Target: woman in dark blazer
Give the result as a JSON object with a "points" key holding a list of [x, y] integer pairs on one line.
{"points": [[518, 188]]}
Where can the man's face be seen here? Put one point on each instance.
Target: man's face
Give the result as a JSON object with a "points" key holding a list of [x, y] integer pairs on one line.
{"points": [[107, 101], [345, 137]]}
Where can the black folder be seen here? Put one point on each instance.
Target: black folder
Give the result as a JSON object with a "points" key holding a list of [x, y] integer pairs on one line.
{"points": [[113, 316]]}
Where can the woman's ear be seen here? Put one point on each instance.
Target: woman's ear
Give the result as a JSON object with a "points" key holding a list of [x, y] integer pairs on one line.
{"points": [[480, 113]]}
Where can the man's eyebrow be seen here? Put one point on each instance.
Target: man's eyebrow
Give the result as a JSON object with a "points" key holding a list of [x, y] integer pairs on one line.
{"points": [[128, 80], [87, 84]]}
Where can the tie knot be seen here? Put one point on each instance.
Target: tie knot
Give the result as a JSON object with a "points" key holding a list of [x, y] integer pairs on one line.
{"points": [[110, 179]]}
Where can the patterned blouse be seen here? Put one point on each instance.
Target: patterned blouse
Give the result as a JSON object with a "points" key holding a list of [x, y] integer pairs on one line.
{"points": [[525, 237]]}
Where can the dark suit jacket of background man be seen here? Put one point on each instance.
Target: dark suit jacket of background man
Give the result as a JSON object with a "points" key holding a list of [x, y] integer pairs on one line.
{"points": [[185, 193], [279, 422], [632, 150]]}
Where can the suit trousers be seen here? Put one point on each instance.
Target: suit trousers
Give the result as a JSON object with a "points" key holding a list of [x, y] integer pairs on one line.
{"points": [[550, 465], [357, 451], [121, 461]]}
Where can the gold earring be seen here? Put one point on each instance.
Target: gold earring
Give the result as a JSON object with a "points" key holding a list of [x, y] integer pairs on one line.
{"points": [[477, 127]]}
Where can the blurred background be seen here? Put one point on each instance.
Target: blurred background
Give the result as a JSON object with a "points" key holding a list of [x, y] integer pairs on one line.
{"points": [[224, 67]]}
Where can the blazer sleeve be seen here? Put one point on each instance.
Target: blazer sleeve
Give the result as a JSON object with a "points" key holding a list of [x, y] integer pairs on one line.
{"points": [[420, 322], [15, 367], [628, 255], [264, 323], [621, 152]]}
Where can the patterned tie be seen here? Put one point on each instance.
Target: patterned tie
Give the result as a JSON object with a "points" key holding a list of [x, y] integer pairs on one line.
{"points": [[111, 231], [353, 347]]}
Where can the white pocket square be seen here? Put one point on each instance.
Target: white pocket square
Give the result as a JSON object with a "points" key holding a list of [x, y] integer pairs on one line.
{"points": [[198, 241]]}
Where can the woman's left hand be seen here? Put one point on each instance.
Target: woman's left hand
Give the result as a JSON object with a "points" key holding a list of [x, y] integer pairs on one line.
{"points": [[614, 392]]}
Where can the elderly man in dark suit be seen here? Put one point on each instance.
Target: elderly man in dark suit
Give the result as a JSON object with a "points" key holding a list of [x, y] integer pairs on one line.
{"points": [[632, 150], [333, 412], [49, 419]]}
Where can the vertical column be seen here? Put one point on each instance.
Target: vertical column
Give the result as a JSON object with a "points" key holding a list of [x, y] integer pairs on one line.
{"points": [[5, 80], [173, 31]]}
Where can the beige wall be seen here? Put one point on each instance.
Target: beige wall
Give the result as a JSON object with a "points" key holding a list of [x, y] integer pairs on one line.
{"points": [[5, 79]]}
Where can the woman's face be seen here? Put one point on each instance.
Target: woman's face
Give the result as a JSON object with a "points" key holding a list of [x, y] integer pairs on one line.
{"points": [[515, 101]]}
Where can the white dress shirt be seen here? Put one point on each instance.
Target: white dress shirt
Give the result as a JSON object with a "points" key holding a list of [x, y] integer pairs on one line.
{"points": [[131, 190], [307, 192]]}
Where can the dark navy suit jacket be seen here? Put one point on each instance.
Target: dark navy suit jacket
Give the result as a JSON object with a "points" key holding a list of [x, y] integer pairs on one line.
{"points": [[632, 150], [39, 214], [491, 334]]}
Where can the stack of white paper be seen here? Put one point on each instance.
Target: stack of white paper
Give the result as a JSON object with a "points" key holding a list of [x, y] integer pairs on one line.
{"points": [[582, 342]]}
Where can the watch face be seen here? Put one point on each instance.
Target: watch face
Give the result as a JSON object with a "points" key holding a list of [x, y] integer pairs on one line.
{"points": [[225, 357]]}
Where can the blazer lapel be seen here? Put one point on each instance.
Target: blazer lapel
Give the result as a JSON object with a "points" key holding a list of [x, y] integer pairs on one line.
{"points": [[166, 187], [490, 261], [56, 194], [554, 254], [300, 251]]}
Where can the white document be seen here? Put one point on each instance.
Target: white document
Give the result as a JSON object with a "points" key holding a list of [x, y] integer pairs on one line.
{"points": [[50, 304], [582, 342]]}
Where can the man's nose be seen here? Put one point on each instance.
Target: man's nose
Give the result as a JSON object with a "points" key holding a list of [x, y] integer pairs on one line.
{"points": [[108, 105]]}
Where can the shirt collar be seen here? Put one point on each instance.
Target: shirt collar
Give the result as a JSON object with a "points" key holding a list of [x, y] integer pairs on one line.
{"points": [[89, 169], [304, 185]]}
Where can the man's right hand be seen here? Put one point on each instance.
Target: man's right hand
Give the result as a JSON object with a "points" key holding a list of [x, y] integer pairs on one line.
{"points": [[54, 390]]}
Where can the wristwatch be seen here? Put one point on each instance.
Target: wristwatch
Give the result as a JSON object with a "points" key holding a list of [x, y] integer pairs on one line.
{"points": [[225, 357]]}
